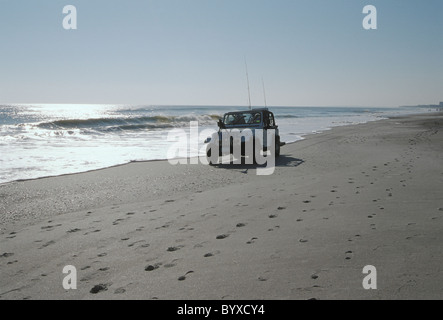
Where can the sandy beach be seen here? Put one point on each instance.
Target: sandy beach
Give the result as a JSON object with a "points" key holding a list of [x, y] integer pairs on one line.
{"points": [[368, 194]]}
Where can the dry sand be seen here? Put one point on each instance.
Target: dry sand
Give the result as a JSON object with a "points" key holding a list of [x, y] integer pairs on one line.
{"points": [[353, 196]]}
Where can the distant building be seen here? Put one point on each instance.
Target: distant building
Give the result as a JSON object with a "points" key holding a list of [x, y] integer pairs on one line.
{"points": [[441, 104]]}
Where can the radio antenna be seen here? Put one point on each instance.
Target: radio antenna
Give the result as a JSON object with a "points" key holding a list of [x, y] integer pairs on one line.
{"points": [[249, 91], [264, 92]]}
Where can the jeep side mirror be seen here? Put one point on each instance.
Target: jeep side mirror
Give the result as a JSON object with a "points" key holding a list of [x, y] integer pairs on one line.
{"points": [[220, 124]]}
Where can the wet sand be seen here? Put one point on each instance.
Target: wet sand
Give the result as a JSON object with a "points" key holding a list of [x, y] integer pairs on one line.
{"points": [[368, 194]]}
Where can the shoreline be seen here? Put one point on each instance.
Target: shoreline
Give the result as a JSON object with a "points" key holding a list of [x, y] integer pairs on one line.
{"points": [[351, 196], [303, 137]]}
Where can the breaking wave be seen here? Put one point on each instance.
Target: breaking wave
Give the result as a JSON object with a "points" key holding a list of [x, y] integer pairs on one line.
{"points": [[128, 123]]}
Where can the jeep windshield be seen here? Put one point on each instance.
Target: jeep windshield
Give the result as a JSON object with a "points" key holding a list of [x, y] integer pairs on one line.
{"points": [[246, 118]]}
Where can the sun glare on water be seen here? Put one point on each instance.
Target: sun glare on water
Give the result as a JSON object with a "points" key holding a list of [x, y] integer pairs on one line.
{"points": [[72, 111]]}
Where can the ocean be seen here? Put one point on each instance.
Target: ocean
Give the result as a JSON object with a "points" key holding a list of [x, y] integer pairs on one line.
{"points": [[40, 140]]}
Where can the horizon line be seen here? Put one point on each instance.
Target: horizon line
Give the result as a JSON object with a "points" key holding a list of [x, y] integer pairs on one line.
{"points": [[221, 105]]}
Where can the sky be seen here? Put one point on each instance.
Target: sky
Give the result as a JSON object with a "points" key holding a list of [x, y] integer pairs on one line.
{"points": [[193, 52]]}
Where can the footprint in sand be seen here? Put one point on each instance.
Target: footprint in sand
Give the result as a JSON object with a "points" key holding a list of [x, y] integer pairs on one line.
{"points": [[171, 264], [272, 216], [348, 253], [12, 235], [172, 249], [134, 243], [184, 277], [146, 245], [152, 267], [119, 291], [116, 222], [199, 245], [240, 225], [73, 230], [99, 288], [252, 240], [222, 236], [357, 236], [47, 244], [211, 254], [49, 228], [95, 231]]}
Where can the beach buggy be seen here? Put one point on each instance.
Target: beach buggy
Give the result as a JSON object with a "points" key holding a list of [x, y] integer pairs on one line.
{"points": [[246, 136]]}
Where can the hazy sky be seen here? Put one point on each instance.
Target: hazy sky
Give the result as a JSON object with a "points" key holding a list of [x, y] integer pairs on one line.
{"points": [[309, 52]]}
